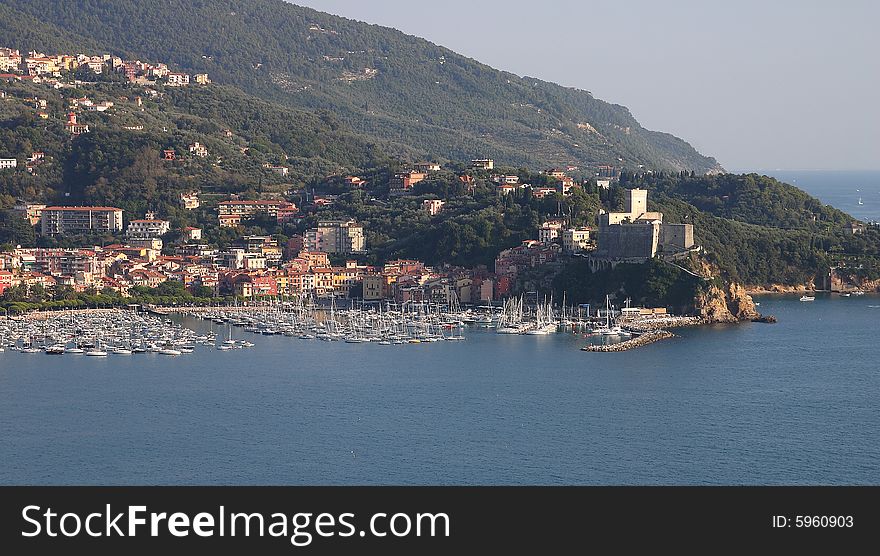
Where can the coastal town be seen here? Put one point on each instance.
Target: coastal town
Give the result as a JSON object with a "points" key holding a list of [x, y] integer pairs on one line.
{"points": [[260, 266], [91, 255]]}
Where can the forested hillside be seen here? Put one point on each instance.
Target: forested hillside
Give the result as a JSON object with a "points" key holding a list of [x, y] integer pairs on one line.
{"points": [[379, 81]]}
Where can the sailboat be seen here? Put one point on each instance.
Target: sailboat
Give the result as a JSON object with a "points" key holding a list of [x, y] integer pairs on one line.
{"points": [[545, 323], [229, 343], [860, 201], [607, 330]]}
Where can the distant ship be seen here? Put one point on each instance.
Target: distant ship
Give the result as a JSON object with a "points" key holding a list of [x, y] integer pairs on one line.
{"points": [[860, 201]]}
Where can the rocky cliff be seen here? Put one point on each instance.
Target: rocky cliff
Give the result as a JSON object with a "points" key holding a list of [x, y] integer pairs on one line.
{"points": [[728, 304]]}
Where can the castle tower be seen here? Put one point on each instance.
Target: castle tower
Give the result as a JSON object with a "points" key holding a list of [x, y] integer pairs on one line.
{"points": [[636, 202]]}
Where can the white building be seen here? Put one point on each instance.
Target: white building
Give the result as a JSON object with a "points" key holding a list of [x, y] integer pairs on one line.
{"points": [[239, 259], [7, 163], [575, 240], [426, 167], [282, 171], [483, 164], [336, 237], [177, 79], [190, 201], [192, 234], [432, 206], [549, 231], [198, 149], [59, 221], [149, 227]]}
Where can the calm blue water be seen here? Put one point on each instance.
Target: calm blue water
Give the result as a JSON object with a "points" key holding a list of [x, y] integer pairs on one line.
{"points": [[790, 403], [841, 189]]}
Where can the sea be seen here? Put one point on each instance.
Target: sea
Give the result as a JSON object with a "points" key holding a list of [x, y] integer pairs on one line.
{"points": [[750, 404], [842, 189], [787, 403]]}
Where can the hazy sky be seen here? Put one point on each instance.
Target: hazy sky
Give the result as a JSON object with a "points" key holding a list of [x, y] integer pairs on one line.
{"points": [[791, 84]]}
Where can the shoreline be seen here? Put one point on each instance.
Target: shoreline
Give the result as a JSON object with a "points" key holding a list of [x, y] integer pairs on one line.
{"points": [[793, 290]]}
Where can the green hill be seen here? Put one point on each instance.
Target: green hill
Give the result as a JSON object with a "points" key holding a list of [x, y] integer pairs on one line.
{"points": [[119, 161], [379, 81]]}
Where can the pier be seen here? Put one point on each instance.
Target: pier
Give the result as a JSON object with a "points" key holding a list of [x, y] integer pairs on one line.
{"points": [[638, 341]]}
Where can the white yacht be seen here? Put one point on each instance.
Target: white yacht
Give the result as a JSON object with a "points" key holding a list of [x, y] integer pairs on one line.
{"points": [[808, 298], [612, 331]]}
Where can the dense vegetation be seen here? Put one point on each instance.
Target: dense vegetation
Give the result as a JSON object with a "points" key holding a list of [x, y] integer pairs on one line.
{"points": [[20, 299], [749, 198], [655, 284], [378, 81]]}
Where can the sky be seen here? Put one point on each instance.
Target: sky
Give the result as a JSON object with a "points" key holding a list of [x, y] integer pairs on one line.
{"points": [[759, 85]]}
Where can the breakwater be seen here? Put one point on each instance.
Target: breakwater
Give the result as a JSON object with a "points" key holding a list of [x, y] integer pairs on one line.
{"points": [[638, 341], [662, 323]]}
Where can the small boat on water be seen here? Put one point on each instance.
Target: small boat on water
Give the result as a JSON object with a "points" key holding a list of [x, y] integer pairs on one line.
{"points": [[57, 349], [96, 353], [169, 351], [858, 292], [808, 298]]}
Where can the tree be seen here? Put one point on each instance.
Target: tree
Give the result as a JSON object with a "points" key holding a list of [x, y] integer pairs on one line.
{"points": [[63, 292]]}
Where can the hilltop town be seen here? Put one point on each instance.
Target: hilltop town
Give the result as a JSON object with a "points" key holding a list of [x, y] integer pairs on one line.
{"points": [[50, 69]]}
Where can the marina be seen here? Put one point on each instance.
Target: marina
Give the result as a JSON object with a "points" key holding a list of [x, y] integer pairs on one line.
{"points": [[112, 332], [100, 333]]}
